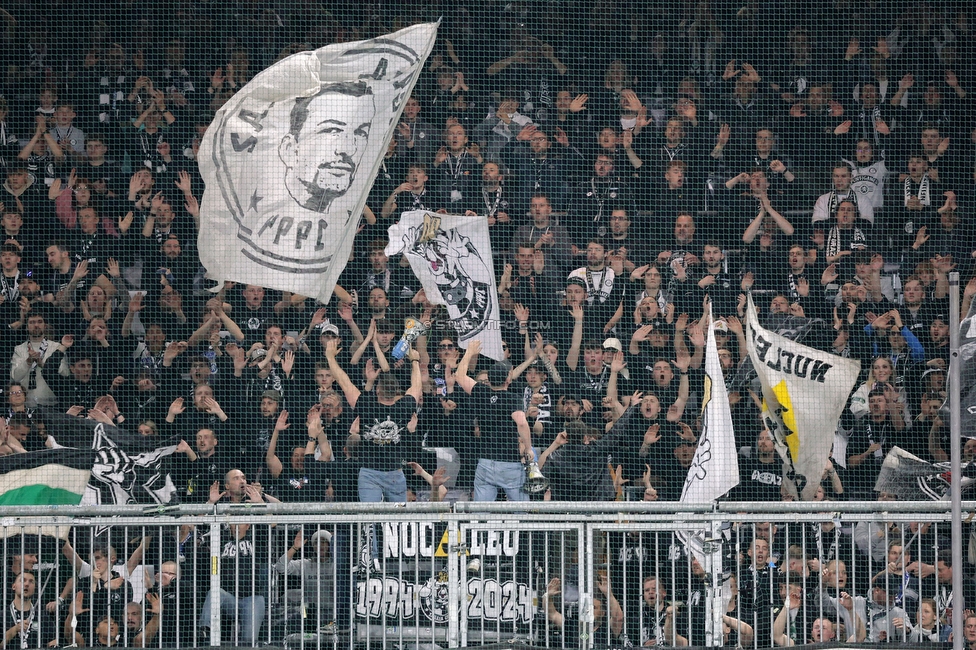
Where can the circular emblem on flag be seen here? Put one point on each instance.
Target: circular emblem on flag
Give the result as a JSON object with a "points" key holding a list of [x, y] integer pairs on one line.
{"points": [[289, 158]]}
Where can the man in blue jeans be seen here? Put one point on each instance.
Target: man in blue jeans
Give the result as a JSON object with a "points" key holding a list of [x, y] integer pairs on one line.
{"points": [[244, 564], [385, 423], [505, 434]]}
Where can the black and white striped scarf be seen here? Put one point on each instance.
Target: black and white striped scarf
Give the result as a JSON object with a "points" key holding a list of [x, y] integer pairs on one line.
{"points": [[924, 193]]}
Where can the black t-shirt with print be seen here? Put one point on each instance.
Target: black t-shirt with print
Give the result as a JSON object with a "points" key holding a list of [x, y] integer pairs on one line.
{"points": [[254, 321], [306, 486], [499, 433], [383, 431]]}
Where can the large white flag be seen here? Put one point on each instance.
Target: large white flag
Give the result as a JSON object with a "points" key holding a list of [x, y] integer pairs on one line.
{"points": [[289, 160], [451, 255], [715, 468], [804, 393]]}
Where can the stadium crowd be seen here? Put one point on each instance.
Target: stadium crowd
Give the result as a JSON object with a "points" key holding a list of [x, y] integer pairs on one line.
{"points": [[630, 169]]}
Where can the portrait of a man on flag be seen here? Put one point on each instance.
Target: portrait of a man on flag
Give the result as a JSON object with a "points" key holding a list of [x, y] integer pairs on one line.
{"points": [[289, 159]]}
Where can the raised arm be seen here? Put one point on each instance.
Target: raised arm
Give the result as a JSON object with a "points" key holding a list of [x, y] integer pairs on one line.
{"points": [[753, 228], [348, 388], [461, 376], [677, 410], [781, 221], [416, 389], [271, 456], [317, 436], [358, 354], [572, 357], [380, 357]]}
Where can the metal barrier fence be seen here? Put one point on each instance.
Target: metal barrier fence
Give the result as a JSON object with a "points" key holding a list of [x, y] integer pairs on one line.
{"points": [[425, 575]]}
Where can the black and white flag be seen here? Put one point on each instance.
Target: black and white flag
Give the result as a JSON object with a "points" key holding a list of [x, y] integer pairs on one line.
{"points": [[451, 255], [289, 160], [910, 478], [127, 468]]}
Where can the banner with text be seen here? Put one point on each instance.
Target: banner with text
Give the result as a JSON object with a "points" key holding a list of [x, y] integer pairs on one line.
{"points": [[804, 392]]}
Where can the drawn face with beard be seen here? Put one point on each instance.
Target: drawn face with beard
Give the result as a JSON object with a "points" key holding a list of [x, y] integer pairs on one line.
{"points": [[328, 137]]}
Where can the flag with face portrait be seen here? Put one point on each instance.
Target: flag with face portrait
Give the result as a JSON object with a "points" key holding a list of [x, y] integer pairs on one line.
{"points": [[451, 256], [289, 160], [804, 391]]}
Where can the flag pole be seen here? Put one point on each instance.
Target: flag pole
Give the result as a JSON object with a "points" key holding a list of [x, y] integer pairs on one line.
{"points": [[955, 433]]}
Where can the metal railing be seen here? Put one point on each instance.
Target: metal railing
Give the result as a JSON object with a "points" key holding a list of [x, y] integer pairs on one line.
{"points": [[545, 573]]}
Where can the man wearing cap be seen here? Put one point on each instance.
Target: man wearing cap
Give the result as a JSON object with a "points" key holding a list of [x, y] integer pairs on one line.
{"points": [[592, 319], [310, 593], [255, 445], [577, 459], [591, 381], [505, 436]]}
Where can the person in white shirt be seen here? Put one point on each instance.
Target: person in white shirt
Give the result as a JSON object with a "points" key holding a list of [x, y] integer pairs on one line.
{"points": [[28, 359]]}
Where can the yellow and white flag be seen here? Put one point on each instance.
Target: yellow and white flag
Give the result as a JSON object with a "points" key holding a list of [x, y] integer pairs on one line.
{"points": [[715, 468], [804, 392]]}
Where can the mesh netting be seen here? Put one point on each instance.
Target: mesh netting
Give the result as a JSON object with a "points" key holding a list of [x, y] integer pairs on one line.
{"points": [[571, 187]]}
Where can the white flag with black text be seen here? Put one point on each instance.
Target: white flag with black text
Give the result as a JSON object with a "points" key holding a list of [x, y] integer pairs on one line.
{"points": [[289, 160], [804, 391], [451, 255]]}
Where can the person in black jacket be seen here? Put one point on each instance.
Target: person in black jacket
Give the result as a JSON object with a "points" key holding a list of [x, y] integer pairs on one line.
{"points": [[576, 462], [81, 387]]}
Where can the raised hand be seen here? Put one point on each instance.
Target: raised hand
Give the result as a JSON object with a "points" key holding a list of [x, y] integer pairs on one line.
{"points": [[282, 422], [81, 270], [192, 206], [640, 334], [618, 362], [830, 274], [215, 492], [730, 70], [184, 184], [370, 371], [177, 406]]}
